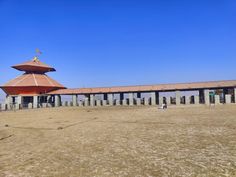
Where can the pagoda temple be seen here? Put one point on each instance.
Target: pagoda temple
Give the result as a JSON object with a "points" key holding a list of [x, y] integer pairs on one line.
{"points": [[32, 86]]}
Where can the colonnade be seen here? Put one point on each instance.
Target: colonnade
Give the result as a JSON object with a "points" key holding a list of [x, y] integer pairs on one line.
{"points": [[201, 96], [150, 98]]}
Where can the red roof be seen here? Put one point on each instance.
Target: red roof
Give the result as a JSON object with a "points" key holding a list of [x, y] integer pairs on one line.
{"points": [[31, 83], [34, 66], [33, 80], [148, 88]]}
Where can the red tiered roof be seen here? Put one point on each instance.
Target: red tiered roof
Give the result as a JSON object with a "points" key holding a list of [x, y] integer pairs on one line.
{"points": [[34, 66], [34, 81]]}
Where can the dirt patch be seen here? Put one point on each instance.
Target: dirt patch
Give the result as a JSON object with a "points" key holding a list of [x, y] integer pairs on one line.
{"points": [[109, 142]]}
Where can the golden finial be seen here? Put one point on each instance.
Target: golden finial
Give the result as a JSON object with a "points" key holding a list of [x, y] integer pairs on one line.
{"points": [[36, 58]]}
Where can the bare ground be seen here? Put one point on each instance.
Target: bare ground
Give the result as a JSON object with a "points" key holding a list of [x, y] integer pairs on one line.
{"points": [[126, 142]]}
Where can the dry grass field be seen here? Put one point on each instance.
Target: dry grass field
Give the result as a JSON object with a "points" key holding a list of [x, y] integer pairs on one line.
{"points": [[125, 142]]}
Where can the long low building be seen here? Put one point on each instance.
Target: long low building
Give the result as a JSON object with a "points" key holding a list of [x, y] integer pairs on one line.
{"points": [[34, 89], [214, 92]]}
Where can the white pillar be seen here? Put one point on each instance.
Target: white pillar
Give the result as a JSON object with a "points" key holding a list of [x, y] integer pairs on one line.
{"points": [[86, 101], [160, 100], [124, 102], [74, 100], [177, 97], [196, 99], [57, 101], [35, 102], [30, 106], [104, 102], [118, 102], [3, 107], [217, 99], [168, 100], [207, 97], [131, 99], [228, 99], [110, 99], [19, 102], [138, 101], [80, 103], [9, 101], [92, 99], [187, 100], [44, 105], [153, 98], [146, 101], [19, 99]]}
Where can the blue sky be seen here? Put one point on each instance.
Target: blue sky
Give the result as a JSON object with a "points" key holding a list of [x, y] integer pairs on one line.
{"points": [[107, 43]]}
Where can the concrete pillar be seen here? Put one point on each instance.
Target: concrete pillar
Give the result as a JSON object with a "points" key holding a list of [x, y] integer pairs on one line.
{"points": [[104, 102], [153, 98], [217, 99], [160, 102], [17, 106], [35, 102], [168, 100], [80, 103], [98, 103], [196, 99], [3, 107], [30, 106], [138, 101], [207, 97], [177, 97], [86, 102], [92, 99], [117, 102], [124, 102], [110, 99], [74, 100], [57, 100], [49, 105], [187, 100], [9, 102], [228, 99], [44, 105], [70, 103], [64, 104], [146, 101], [19, 100], [131, 99]]}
